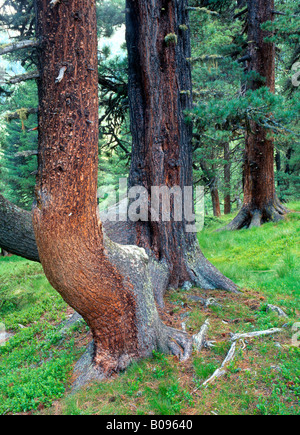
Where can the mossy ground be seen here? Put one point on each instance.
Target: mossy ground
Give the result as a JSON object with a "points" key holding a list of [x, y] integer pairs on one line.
{"points": [[264, 378]]}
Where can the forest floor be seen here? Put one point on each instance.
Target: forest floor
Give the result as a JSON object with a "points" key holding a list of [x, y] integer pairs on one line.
{"points": [[263, 378]]}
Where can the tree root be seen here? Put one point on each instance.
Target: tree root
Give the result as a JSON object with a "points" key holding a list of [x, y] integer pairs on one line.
{"points": [[180, 344], [251, 218]]}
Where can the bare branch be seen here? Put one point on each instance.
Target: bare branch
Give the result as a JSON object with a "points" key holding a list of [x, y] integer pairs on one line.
{"points": [[255, 334], [18, 46], [23, 77], [28, 153]]}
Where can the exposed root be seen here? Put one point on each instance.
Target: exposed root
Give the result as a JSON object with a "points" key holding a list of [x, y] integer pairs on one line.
{"points": [[199, 340], [222, 370], [251, 218], [180, 344], [205, 275]]}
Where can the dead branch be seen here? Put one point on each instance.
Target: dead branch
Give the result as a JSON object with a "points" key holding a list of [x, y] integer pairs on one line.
{"points": [[199, 339], [256, 334], [18, 46], [23, 77], [222, 370]]}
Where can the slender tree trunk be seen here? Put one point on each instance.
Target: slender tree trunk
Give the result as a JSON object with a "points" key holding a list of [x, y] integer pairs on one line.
{"points": [[108, 284], [260, 200], [215, 198], [227, 179], [160, 90]]}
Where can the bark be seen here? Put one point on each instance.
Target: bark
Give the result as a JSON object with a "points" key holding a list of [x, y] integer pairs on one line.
{"points": [[215, 197], [260, 200], [16, 231], [160, 90], [227, 179], [107, 284]]}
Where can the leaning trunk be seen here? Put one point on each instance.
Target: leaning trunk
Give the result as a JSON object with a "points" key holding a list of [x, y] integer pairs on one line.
{"points": [[107, 284], [260, 200]]}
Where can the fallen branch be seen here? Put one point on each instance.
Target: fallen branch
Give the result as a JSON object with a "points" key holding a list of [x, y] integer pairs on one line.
{"points": [[256, 334], [222, 370], [199, 339], [18, 46]]}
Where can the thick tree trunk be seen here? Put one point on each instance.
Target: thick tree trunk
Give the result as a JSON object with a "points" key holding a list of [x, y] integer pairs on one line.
{"points": [[108, 284], [16, 231], [227, 179], [260, 201], [160, 90]]}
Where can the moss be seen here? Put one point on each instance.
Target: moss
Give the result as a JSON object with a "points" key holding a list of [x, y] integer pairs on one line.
{"points": [[171, 39], [183, 28]]}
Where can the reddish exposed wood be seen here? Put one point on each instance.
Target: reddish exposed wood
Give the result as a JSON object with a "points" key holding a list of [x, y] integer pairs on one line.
{"points": [[107, 284]]}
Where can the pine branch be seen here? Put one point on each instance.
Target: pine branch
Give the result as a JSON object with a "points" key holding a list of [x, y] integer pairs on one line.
{"points": [[23, 77], [9, 48], [16, 115]]}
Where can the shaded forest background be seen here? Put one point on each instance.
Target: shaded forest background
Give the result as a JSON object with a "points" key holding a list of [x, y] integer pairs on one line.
{"points": [[222, 110]]}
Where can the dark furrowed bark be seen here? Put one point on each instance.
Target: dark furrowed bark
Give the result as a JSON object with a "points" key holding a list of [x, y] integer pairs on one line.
{"points": [[108, 284], [160, 91], [16, 231]]}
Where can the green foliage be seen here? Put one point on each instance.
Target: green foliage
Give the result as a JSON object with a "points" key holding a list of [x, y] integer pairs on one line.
{"points": [[18, 172]]}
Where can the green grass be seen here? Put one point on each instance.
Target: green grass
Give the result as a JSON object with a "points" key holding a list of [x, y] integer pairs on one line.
{"points": [[264, 378]]}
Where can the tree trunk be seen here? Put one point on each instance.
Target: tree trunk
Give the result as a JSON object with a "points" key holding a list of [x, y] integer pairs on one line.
{"points": [[215, 198], [16, 231], [108, 284], [260, 200], [227, 179], [160, 90]]}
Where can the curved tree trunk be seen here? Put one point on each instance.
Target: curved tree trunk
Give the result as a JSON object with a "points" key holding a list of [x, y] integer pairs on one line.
{"points": [[260, 200], [160, 90], [16, 231], [108, 284]]}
